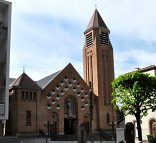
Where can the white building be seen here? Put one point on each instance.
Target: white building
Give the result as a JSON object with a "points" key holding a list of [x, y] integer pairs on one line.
{"points": [[5, 32], [149, 120]]}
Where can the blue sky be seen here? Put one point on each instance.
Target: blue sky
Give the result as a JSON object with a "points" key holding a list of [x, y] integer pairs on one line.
{"points": [[47, 35]]}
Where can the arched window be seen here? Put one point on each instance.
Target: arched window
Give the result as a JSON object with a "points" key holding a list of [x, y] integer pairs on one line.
{"points": [[70, 106], [151, 121]]}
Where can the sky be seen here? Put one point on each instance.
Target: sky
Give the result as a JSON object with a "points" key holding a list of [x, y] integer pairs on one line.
{"points": [[46, 35]]}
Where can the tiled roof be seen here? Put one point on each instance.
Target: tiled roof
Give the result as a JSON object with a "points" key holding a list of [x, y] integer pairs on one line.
{"points": [[96, 21], [11, 80], [24, 81], [145, 69], [148, 68], [43, 82]]}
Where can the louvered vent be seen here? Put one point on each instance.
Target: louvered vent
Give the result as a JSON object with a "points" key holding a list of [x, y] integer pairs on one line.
{"points": [[104, 39], [89, 39]]}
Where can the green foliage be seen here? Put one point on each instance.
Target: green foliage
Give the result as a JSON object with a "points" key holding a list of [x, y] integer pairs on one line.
{"points": [[134, 93]]}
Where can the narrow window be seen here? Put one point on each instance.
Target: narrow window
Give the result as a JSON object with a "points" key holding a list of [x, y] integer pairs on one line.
{"points": [[30, 96], [28, 118], [22, 97], [104, 79], [27, 96], [107, 118], [34, 96]]}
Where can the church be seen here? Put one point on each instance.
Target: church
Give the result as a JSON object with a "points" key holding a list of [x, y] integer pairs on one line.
{"points": [[61, 102]]}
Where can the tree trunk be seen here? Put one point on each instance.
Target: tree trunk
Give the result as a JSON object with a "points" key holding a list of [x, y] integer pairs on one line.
{"points": [[138, 119]]}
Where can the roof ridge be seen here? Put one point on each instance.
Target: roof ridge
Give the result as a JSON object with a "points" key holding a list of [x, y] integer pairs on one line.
{"points": [[12, 83], [24, 81], [46, 80]]}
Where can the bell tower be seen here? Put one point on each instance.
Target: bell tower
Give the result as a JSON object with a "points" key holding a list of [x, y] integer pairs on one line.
{"points": [[99, 67]]}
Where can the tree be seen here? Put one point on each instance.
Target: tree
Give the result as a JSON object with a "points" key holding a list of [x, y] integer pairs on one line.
{"points": [[134, 94]]}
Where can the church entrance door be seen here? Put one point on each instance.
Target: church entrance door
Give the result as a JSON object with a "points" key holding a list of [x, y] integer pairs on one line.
{"points": [[69, 126]]}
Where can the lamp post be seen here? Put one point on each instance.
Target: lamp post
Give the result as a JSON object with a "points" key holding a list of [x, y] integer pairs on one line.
{"points": [[91, 110], [113, 129]]}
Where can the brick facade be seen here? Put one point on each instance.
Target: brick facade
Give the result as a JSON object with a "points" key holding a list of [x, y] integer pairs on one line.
{"points": [[49, 105]]}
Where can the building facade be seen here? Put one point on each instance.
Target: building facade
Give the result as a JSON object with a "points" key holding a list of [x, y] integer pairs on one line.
{"points": [[5, 28], [60, 103]]}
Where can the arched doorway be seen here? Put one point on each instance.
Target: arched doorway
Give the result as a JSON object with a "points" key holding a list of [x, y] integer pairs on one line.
{"points": [[70, 115]]}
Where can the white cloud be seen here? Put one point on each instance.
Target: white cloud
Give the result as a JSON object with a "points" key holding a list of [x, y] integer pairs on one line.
{"points": [[132, 59], [130, 17], [42, 44]]}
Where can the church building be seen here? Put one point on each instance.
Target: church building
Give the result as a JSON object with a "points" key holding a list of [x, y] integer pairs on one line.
{"points": [[60, 103]]}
